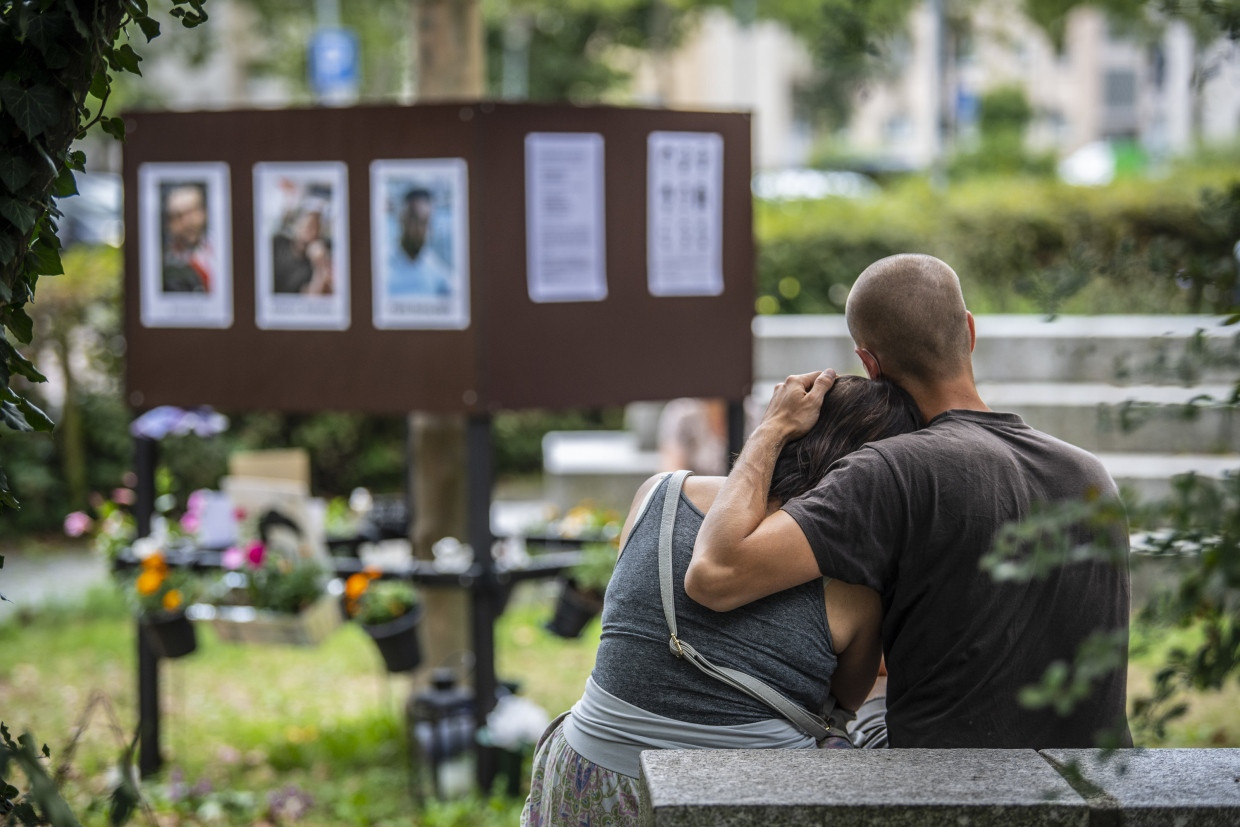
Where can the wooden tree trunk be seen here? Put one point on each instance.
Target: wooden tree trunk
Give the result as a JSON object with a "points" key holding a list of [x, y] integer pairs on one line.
{"points": [[449, 43], [439, 510], [70, 435], [449, 40]]}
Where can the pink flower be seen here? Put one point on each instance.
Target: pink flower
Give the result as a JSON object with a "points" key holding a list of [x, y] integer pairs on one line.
{"points": [[255, 553], [77, 524], [123, 496], [232, 558], [196, 502], [190, 522]]}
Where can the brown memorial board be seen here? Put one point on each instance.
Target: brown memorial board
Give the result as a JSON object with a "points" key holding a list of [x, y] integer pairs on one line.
{"points": [[575, 257]]}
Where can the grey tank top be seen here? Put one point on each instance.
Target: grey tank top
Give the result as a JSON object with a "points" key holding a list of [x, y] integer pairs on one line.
{"points": [[782, 639]]}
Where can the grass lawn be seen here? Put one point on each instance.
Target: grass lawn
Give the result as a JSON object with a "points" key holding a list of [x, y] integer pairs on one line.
{"points": [[245, 723]]}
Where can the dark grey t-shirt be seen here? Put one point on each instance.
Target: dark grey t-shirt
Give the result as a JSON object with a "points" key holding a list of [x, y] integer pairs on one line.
{"points": [[911, 517], [782, 639]]}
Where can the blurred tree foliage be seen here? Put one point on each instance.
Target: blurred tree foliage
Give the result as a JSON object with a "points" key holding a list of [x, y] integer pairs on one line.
{"points": [[569, 51], [1004, 114], [851, 42], [1207, 18], [580, 50]]}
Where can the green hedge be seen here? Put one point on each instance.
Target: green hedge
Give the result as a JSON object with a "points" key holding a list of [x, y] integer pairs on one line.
{"points": [[1019, 245]]}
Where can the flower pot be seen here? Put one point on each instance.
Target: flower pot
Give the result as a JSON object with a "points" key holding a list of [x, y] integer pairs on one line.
{"points": [[309, 627], [169, 634], [398, 641], [575, 608]]}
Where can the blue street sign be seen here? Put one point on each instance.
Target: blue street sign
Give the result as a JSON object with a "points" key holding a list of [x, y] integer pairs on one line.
{"points": [[334, 75]]}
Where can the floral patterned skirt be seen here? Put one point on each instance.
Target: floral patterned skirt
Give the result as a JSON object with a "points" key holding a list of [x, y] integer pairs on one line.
{"points": [[566, 789]]}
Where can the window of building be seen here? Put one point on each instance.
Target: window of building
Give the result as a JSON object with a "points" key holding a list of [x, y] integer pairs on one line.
{"points": [[1119, 89], [898, 129]]}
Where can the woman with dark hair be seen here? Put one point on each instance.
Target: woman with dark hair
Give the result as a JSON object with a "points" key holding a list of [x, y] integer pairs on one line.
{"points": [[817, 640]]}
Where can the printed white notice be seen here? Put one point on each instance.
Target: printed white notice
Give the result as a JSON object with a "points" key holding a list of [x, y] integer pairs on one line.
{"points": [[684, 213], [564, 241]]}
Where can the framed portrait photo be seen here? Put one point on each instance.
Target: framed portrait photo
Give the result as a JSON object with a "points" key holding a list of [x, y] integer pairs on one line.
{"points": [[185, 245], [419, 221], [301, 246]]}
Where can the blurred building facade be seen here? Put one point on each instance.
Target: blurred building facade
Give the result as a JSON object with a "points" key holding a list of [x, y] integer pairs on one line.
{"points": [[725, 64], [1103, 84]]}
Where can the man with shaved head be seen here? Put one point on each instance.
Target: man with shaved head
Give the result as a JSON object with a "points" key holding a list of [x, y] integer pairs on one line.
{"points": [[912, 517]]}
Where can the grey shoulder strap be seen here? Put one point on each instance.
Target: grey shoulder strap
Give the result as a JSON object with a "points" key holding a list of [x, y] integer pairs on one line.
{"points": [[802, 719], [645, 506]]}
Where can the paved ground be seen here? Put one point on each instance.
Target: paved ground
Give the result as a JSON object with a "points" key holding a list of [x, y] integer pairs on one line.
{"points": [[46, 577]]}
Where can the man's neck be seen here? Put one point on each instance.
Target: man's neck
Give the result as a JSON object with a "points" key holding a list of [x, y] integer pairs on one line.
{"points": [[956, 395]]}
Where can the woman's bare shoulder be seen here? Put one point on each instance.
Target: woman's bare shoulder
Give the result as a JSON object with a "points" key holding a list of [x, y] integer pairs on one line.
{"points": [[701, 491]]}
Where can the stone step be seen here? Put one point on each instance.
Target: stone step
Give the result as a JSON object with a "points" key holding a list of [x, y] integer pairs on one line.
{"points": [[1115, 385], [1097, 417], [606, 467], [1147, 477], [1010, 348], [1100, 417]]}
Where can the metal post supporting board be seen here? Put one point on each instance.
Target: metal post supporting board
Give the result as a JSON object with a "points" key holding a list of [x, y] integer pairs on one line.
{"points": [[484, 590], [145, 460]]}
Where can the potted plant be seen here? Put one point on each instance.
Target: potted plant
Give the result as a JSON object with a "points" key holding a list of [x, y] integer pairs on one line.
{"points": [[162, 595], [273, 598], [389, 611], [584, 585], [582, 524]]}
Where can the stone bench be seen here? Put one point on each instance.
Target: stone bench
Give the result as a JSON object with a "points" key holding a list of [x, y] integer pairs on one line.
{"points": [[1006, 788]]}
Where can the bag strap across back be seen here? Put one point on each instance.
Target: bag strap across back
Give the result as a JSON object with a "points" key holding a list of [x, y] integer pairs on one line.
{"points": [[804, 720]]}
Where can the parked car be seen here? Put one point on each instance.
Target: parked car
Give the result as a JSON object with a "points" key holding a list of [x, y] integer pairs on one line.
{"points": [[812, 184], [93, 216]]}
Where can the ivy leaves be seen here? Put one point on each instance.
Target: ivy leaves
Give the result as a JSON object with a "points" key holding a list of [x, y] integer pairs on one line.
{"points": [[35, 109], [55, 55]]}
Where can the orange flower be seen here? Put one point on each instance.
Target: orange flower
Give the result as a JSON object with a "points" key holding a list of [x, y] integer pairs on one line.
{"points": [[356, 585], [172, 600], [150, 580], [155, 562]]}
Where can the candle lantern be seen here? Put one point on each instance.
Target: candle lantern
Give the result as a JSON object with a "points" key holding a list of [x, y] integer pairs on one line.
{"points": [[441, 737]]}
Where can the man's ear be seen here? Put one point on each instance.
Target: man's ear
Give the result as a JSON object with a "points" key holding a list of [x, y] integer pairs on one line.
{"points": [[972, 330], [869, 362]]}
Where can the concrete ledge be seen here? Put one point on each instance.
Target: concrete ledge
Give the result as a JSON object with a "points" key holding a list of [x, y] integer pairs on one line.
{"points": [[979, 788], [704, 788], [1157, 786], [1138, 349]]}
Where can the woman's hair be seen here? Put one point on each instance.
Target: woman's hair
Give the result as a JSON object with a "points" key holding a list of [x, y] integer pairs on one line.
{"points": [[855, 411]]}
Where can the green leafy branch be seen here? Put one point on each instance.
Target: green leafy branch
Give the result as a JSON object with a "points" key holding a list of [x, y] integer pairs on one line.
{"points": [[1056, 535], [56, 63], [1201, 521], [1064, 685], [42, 804]]}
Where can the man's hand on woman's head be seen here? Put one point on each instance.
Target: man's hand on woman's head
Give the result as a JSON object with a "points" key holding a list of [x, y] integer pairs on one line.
{"points": [[796, 403]]}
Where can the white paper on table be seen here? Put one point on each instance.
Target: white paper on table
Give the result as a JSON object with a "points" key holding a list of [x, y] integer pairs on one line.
{"points": [[564, 213], [684, 213]]}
